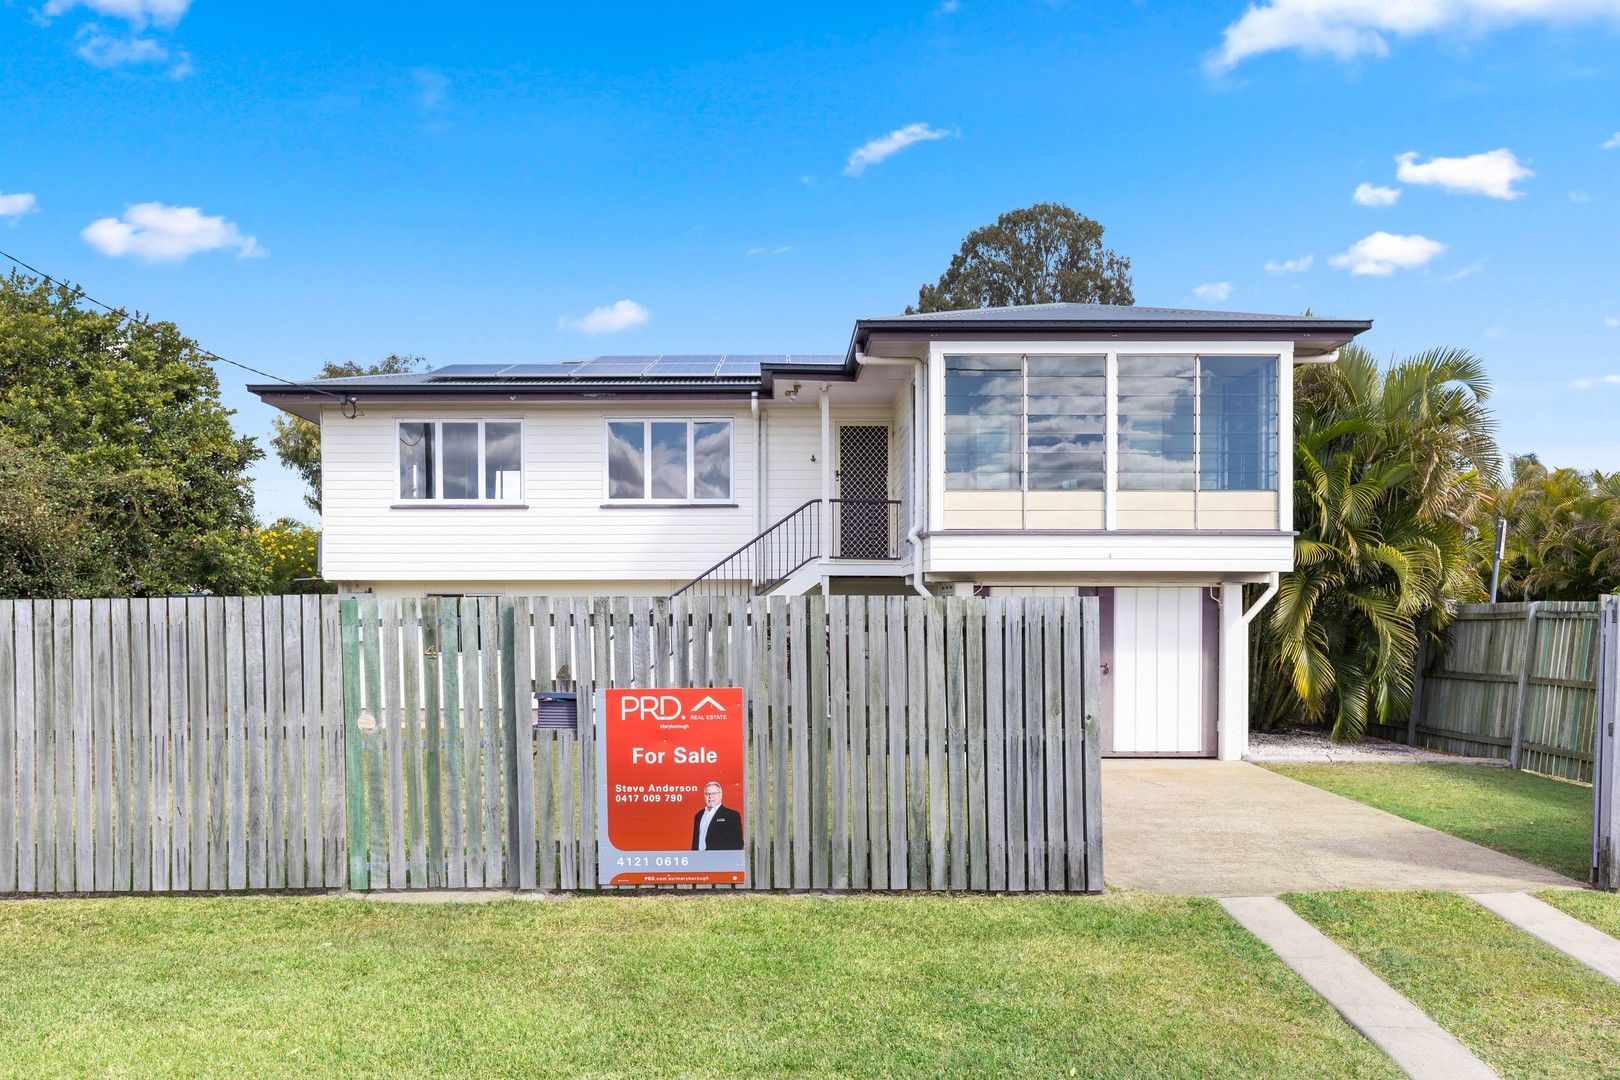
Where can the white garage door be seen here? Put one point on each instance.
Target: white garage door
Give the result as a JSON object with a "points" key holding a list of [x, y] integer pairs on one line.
{"points": [[1162, 680]]}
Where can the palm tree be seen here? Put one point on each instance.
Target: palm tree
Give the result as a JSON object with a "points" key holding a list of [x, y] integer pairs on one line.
{"points": [[1563, 532], [1391, 465]]}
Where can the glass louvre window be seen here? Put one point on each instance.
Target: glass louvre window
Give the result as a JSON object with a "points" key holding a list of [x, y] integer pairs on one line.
{"points": [[711, 460], [1157, 431], [417, 458], [1237, 444], [669, 472], [503, 457], [669, 460], [1066, 430], [627, 456], [983, 423], [461, 460], [459, 471]]}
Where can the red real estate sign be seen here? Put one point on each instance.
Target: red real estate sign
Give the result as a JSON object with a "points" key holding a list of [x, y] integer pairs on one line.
{"points": [[671, 791]]}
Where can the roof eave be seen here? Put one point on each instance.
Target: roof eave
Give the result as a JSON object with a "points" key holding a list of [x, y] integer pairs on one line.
{"points": [[1323, 335]]}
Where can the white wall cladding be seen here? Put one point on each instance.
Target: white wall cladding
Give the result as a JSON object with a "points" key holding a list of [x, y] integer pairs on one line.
{"points": [[564, 533]]}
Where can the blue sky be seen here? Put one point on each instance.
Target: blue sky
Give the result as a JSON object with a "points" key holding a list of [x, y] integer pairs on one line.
{"points": [[296, 183]]}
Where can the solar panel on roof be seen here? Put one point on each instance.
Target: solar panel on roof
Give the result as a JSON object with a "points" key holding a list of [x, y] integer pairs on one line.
{"points": [[539, 371], [685, 365], [609, 366], [464, 371]]}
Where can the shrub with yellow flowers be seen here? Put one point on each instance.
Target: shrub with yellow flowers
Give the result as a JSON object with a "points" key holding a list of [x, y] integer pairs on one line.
{"points": [[289, 550]]}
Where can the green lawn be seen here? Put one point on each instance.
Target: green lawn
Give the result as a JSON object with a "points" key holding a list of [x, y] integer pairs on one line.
{"points": [[1123, 985], [1602, 910], [1547, 822], [1524, 1008]]}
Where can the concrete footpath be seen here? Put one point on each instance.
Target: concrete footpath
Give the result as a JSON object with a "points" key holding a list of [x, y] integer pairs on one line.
{"points": [[1229, 828], [1420, 1047], [1567, 934]]}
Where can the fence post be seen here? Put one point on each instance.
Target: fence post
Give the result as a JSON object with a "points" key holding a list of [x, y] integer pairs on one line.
{"points": [[1415, 713], [1606, 766], [1517, 749], [354, 769]]}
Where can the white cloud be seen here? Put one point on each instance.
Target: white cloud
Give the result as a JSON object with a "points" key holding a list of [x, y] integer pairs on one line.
{"points": [[780, 249], [1468, 271], [135, 12], [1587, 384], [17, 204], [1373, 195], [104, 50], [1611, 321], [1491, 174], [1612, 142], [886, 146], [153, 232], [1214, 292], [1345, 29], [949, 7], [1291, 266], [1382, 253], [1579, 197], [608, 319]]}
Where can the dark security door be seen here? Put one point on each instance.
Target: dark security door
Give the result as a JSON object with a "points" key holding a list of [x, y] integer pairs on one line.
{"points": [[863, 492]]}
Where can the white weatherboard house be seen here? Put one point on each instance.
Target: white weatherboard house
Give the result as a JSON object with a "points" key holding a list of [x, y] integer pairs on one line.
{"points": [[1138, 454]]}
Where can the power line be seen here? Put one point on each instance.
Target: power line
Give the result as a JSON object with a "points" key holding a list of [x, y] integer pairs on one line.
{"points": [[348, 401]]}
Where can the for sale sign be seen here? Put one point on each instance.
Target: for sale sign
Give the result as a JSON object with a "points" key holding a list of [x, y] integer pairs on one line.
{"points": [[670, 796]]}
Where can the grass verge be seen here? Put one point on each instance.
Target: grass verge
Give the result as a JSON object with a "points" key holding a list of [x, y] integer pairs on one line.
{"points": [[1547, 822], [1523, 1007], [1123, 985], [1602, 910]]}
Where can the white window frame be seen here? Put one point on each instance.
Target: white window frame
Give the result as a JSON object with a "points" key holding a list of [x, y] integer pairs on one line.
{"points": [[401, 500], [691, 422], [934, 436]]}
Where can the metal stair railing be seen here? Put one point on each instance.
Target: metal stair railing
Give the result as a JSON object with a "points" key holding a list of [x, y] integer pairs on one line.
{"points": [[862, 528]]}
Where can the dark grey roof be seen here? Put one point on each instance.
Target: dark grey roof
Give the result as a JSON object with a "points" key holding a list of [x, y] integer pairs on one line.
{"points": [[712, 374], [716, 374], [1312, 333], [1102, 313]]}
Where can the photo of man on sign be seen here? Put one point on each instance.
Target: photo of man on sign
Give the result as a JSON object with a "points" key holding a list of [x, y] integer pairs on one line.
{"points": [[716, 827]]}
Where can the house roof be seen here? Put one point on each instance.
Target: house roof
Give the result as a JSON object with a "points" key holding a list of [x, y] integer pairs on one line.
{"points": [[730, 375], [1315, 333]]}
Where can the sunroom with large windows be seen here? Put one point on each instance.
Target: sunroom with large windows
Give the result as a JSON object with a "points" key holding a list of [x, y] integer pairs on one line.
{"points": [[1125, 441]]}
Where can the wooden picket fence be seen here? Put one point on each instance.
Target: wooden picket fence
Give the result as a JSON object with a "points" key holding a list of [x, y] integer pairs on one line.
{"points": [[283, 743], [894, 743], [170, 745], [1516, 682]]}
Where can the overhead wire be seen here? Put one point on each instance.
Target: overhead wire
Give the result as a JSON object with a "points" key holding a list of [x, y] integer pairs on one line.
{"points": [[350, 404]]}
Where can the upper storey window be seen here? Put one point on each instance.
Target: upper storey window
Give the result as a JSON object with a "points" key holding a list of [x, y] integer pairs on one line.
{"points": [[461, 460], [1040, 423], [1197, 423], [1034, 423], [669, 460]]}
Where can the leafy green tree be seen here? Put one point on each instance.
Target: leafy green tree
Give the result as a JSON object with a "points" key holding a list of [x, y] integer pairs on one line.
{"points": [[1041, 254], [1563, 539], [1391, 467], [297, 442], [123, 474]]}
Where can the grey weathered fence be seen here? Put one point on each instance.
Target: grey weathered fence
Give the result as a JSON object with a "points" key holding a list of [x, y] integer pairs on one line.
{"points": [[267, 743], [170, 745], [894, 743], [1517, 682]]}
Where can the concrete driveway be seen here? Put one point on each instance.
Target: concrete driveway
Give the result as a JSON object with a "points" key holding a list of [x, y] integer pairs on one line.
{"points": [[1229, 828]]}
